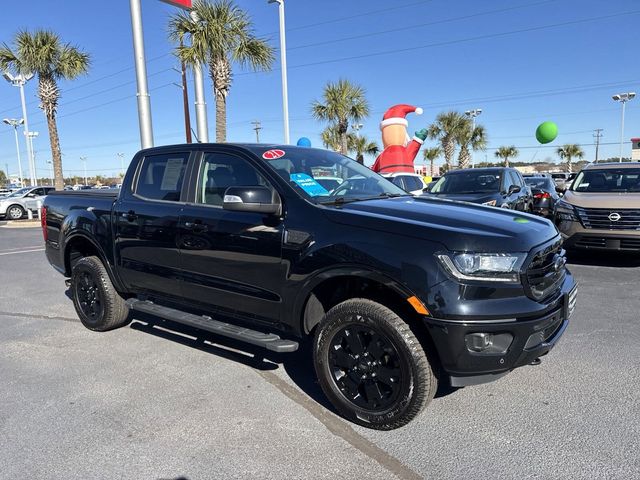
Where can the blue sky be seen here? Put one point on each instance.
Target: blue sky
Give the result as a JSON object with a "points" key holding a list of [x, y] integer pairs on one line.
{"points": [[521, 61]]}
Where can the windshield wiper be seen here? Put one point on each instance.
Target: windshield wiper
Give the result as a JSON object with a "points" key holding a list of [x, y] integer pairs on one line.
{"points": [[340, 201], [393, 195]]}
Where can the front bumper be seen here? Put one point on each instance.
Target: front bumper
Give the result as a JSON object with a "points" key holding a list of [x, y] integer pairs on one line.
{"points": [[531, 339], [575, 236]]}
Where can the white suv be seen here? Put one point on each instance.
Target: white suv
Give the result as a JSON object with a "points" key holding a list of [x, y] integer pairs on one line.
{"points": [[409, 182]]}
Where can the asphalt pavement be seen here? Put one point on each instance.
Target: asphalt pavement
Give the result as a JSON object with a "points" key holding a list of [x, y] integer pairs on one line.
{"points": [[156, 400]]}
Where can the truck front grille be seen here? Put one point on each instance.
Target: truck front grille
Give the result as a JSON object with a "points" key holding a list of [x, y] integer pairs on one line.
{"points": [[546, 271], [608, 219]]}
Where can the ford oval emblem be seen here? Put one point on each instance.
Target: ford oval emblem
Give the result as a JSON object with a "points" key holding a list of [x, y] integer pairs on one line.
{"points": [[614, 217]]}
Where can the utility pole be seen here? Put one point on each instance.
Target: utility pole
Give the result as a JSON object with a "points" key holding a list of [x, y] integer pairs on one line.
{"points": [[144, 102], [202, 126], [257, 127], [185, 100], [597, 135], [84, 161], [121, 156]]}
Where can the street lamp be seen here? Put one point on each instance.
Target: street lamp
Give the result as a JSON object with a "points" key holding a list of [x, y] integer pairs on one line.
{"points": [[30, 137], [473, 114], [84, 161], [14, 122], [623, 98], [283, 61], [50, 163], [19, 81], [121, 156]]}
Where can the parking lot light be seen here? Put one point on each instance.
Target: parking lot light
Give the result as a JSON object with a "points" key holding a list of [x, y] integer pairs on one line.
{"points": [[623, 98]]}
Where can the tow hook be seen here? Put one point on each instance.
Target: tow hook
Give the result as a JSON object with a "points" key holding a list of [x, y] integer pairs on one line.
{"points": [[537, 361]]}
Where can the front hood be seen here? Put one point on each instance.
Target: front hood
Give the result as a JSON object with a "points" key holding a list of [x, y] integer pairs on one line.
{"points": [[613, 201], [457, 225], [467, 197]]}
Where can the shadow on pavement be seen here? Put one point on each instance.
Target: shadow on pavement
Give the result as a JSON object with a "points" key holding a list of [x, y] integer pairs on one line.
{"points": [[603, 259]]}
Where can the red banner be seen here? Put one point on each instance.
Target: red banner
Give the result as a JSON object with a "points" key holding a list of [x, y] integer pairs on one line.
{"points": [[179, 3]]}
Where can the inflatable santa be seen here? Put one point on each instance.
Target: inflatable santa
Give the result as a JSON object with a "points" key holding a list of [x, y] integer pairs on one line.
{"points": [[399, 150]]}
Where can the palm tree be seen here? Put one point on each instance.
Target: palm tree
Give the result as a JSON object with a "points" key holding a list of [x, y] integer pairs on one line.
{"points": [[223, 35], [569, 152], [44, 54], [506, 152], [445, 129], [361, 145], [331, 139], [342, 103], [431, 154], [470, 139]]}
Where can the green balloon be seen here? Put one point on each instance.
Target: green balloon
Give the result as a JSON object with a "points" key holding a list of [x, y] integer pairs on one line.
{"points": [[546, 132]]}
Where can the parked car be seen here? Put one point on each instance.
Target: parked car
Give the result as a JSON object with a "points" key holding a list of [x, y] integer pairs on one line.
{"points": [[397, 291], [544, 193], [15, 205], [430, 185], [409, 182], [561, 180], [601, 210], [497, 187]]}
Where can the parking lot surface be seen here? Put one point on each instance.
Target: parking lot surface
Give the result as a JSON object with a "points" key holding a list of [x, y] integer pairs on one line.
{"points": [[157, 400]]}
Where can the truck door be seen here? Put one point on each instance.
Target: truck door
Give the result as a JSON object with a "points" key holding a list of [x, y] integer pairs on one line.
{"points": [[146, 219], [230, 260]]}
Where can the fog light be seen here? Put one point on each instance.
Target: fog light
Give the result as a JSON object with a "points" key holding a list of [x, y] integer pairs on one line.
{"points": [[488, 342]]}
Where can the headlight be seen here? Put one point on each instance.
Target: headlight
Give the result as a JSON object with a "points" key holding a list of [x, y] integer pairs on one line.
{"points": [[565, 212], [491, 203], [487, 267]]}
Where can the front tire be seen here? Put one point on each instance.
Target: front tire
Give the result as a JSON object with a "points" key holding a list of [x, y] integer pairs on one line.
{"points": [[96, 301], [15, 212], [371, 366]]}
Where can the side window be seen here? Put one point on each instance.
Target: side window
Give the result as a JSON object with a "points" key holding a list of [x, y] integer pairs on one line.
{"points": [[161, 176], [397, 181], [220, 171], [515, 179], [38, 192], [412, 183], [507, 180]]}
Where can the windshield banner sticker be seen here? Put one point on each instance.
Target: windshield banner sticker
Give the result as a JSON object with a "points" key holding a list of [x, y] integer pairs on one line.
{"points": [[273, 154], [308, 184]]}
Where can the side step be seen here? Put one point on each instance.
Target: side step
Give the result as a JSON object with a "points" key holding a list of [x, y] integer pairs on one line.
{"points": [[270, 341]]}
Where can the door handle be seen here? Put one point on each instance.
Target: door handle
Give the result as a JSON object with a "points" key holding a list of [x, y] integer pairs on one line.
{"points": [[195, 226], [130, 216]]}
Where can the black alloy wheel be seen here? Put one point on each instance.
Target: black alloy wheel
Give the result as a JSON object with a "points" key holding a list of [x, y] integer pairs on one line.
{"points": [[89, 296]]}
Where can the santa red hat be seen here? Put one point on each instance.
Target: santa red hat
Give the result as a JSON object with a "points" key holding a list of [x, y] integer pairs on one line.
{"points": [[396, 115]]}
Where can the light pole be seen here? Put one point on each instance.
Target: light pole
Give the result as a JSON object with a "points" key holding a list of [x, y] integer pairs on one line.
{"points": [[19, 81], [623, 98], [144, 102], [198, 91], [121, 156], [84, 161], [473, 114], [50, 163], [30, 137], [14, 122], [283, 62]]}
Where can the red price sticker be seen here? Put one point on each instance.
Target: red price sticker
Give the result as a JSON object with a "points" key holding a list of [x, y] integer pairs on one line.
{"points": [[273, 154]]}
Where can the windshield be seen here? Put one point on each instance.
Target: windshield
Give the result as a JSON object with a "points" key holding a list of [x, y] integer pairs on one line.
{"points": [[608, 180], [306, 169], [469, 181], [541, 183], [19, 193]]}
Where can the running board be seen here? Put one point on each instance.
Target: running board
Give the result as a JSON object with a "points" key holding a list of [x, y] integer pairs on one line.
{"points": [[270, 341]]}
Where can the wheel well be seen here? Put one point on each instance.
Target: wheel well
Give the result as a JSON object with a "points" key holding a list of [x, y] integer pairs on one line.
{"points": [[77, 248], [338, 289]]}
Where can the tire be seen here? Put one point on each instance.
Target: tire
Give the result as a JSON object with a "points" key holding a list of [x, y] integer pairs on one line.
{"points": [[386, 384], [96, 301], [15, 212]]}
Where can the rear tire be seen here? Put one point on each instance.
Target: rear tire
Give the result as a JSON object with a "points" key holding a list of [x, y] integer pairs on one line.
{"points": [[15, 212], [96, 301], [371, 366]]}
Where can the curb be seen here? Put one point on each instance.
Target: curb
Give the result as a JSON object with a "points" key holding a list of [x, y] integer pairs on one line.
{"points": [[20, 224]]}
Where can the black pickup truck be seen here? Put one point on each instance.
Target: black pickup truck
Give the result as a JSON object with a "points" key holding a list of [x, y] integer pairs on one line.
{"points": [[396, 292]]}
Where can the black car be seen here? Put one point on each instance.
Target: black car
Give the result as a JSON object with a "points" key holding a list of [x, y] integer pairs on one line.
{"points": [[545, 195], [497, 187], [392, 292]]}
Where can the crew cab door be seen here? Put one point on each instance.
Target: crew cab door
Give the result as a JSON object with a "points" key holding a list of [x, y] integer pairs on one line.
{"points": [[230, 260], [145, 222]]}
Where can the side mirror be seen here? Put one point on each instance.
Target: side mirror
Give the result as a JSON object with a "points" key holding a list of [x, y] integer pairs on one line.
{"points": [[256, 199], [514, 189]]}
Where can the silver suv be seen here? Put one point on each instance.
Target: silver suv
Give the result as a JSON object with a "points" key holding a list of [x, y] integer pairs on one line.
{"points": [[601, 209], [15, 205]]}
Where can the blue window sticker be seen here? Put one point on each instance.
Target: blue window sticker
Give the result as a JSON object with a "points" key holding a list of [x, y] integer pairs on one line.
{"points": [[308, 184]]}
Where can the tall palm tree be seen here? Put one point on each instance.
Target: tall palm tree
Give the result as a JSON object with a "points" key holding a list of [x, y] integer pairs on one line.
{"points": [[569, 152], [342, 102], [361, 145], [506, 152], [470, 139], [43, 53], [331, 139], [430, 154], [222, 36], [445, 129]]}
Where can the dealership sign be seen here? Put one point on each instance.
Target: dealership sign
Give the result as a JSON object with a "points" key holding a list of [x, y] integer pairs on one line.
{"points": [[179, 3]]}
